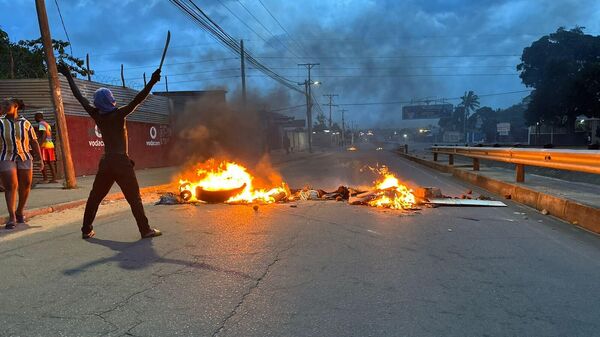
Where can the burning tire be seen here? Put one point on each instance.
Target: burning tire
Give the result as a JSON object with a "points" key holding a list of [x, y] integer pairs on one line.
{"points": [[216, 197]]}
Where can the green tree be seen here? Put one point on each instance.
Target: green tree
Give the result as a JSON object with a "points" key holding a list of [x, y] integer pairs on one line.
{"points": [[454, 122], [25, 59], [484, 120], [321, 123], [561, 67], [469, 102]]}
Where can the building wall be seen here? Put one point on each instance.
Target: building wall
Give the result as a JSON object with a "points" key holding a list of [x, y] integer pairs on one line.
{"points": [[87, 147], [148, 144]]}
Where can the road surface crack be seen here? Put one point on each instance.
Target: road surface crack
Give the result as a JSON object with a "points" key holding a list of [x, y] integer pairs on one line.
{"points": [[255, 285]]}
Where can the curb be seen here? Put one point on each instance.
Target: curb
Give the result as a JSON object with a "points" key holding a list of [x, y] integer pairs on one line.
{"points": [[76, 203], [573, 212]]}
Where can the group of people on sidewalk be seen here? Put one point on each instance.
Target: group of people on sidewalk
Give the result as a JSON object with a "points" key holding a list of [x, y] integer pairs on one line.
{"points": [[19, 138]]}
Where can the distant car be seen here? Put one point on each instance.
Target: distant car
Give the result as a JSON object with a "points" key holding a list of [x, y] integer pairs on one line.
{"points": [[379, 149], [352, 148]]}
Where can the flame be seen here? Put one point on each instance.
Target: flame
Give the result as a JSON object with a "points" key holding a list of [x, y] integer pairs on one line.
{"points": [[226, 175], [391, 193]]}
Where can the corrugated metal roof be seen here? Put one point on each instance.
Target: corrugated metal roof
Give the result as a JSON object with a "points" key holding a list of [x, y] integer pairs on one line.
{"points": [[36, 95]]}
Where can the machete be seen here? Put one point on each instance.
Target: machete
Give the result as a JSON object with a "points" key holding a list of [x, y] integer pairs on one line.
{"points": [[162, 59]]}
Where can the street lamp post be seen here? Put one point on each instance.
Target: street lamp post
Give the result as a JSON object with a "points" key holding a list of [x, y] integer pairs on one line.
{"points": [[307, 92]]}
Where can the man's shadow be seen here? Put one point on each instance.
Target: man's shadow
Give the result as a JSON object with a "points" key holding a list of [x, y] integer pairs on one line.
{"points": [[141, 254]]}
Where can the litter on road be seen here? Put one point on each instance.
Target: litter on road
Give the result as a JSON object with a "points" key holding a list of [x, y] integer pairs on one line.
{"points": [[466, 202]]}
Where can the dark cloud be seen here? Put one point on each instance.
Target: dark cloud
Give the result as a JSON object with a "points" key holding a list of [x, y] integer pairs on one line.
{"points": [[364, 43]]}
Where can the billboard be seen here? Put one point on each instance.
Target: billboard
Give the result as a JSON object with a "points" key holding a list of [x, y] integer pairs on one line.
{"points": [[431, 111]]}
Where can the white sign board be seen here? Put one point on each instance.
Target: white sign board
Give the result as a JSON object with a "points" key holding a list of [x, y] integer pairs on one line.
{"points": [[503, 129]]}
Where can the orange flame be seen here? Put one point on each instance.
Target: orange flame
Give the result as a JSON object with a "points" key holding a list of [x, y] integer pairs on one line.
{"points": [[391, 193], [229, 176]]}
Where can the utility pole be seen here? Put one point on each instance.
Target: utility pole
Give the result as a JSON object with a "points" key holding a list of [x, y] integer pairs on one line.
{"points": [[331, 96], [243, 67], [343, 127], [122, 76], [87, 65], [61, 122], [167, 83], [308, 93]]}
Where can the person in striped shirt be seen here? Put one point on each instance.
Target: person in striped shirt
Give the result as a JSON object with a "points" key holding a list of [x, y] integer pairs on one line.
{"points": [[17, 137]]}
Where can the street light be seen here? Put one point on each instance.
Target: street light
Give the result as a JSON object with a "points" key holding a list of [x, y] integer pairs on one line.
{"points": [[307, 92]]}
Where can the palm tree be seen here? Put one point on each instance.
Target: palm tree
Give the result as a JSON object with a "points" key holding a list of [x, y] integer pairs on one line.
{"points": [[469, 102]]}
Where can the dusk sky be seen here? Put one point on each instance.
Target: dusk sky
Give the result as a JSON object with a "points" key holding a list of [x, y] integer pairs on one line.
{"points": [[369, 51]]}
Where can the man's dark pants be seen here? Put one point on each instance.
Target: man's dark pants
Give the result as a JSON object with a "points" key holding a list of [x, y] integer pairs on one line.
{"points": [[115, 168]]}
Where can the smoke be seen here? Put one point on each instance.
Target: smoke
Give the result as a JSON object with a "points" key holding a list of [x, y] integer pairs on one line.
{"points": [[209, 127]]}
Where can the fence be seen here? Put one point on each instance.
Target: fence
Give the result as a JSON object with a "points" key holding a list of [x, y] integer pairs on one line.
{"points": [[587, 161]]}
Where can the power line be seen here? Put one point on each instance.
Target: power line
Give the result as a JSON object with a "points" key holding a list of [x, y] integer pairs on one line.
{"points": [[64, 27], [168, 64], [193, 73], [403, 68], [425, 101], [242, 21], [141, 51], [197, 15], [266, 29], [288, 108], [206, 79], [409, 75], [281, 26], [395, 57]]}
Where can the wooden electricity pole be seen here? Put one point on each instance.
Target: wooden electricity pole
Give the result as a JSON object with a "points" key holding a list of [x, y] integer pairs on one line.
{"points": [[331, 96], [308, 92], [122, 76], [59, 110], [87, 65]]}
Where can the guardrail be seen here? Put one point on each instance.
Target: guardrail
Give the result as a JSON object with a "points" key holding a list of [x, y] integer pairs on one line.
{"points": [[587, 161]]}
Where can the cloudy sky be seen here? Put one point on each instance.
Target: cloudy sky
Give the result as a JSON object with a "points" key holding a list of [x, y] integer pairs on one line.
{"points": [[370, 51]]}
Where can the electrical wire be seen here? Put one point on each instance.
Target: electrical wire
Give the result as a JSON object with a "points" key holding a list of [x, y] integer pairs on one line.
{"points": [[266, 29], [168, 64], [193, 73], [288, 108], [394, 57], [282, 28], [197, 15], [243, 22], [425, 100], [64, 27]]}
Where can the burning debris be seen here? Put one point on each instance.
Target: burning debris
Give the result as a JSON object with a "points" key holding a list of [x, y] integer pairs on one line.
{"points": [[231, 183], [227, 182]]}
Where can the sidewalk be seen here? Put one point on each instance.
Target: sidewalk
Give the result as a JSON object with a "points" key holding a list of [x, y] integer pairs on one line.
{"points": [[44, 195]]}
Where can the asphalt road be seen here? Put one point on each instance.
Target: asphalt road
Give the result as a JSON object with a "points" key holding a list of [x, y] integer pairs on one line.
{"points": [[318, 269]]}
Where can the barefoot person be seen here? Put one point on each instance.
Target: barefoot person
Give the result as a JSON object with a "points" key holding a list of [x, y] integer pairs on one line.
{"points": [[17, 135], [115, 165], [47, 145]]}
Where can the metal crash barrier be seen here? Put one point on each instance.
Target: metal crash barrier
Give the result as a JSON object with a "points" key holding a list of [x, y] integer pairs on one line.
{"points": [[587, 161]]}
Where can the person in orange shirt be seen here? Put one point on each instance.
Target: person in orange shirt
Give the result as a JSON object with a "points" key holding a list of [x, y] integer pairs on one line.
{"points": [[47, 145]]}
